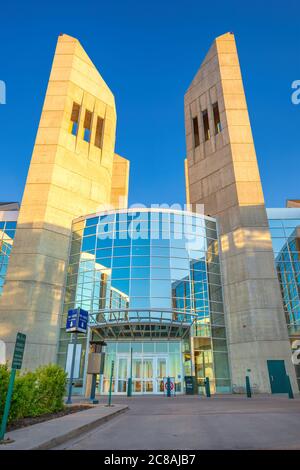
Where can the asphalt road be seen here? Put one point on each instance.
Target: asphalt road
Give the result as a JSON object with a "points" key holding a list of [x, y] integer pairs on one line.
{"points": [[191, 422]]}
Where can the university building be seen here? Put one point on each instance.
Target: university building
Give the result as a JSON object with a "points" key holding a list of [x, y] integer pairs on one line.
{"points": [[182, 293]]}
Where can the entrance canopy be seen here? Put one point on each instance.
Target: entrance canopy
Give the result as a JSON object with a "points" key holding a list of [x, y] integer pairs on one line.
{"points": [[141, 324]]}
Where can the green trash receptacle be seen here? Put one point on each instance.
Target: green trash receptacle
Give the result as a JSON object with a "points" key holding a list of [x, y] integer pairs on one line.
{"points": [[190, 384]]}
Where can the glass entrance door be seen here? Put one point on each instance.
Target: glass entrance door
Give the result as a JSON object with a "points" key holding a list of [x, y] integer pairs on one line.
{"points": [[147, 373], [161, 372], [148, 379], [122, 374], [137, 375]]}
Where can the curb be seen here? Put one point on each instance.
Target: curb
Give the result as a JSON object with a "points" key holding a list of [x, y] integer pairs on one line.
{"points": [[58, 440], [76, 432]]}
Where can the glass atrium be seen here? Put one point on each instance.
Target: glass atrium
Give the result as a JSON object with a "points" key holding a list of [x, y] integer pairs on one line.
{"points": [[150, 280]]}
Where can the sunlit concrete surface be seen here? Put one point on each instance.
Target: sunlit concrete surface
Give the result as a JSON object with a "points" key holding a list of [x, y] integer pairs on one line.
{"points": [[193, 422]]}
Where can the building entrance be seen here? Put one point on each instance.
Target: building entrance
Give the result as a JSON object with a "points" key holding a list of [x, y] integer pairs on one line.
{"points": [[147, 373]]}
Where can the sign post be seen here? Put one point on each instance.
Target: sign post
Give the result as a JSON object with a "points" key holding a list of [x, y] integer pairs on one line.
{"points": [[129, 385], [169, 386], [77, 321], [16, 364], [110, 382]]}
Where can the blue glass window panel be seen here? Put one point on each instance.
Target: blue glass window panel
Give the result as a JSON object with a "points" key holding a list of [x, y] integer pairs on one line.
{"points": [[105, 230], [140, 250], [160, 251], [163, 303], [198, 244], [178, 253], [2, 225], [90, 230], [140, 261], [140, 302], [121, 261], [103, 253], [104, 219], [160, 288], [3, 269], [278, 244], [121, 251], [160, 273], [196, 255], [199, 232], [120, 273], [143, 240], [160, 262], [140, 288], [105, 243], [277, 232], [199, 276], [275, 223], [106, 262], [290, 231], [291, 223], [121, 285], [122, 222], [179, 274], [141, 273], [88, 243], [11, 225], [180, 263], [122, 239], [154, 216], [199, 265], [91, 221], [159, 242], [176, 228], [180, 243], [138, 226]]}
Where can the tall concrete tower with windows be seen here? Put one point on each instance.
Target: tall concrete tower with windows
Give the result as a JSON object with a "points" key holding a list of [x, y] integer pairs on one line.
{"points": [[73, 171], [222, 173]]}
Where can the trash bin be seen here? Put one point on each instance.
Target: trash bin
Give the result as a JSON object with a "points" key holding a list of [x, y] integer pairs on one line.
{"points": [[190, 384]]}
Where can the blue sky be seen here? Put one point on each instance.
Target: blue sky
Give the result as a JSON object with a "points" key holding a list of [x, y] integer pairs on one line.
{"points": [[148, 53]]}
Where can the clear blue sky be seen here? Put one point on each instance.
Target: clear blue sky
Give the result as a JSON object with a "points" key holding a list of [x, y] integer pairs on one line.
{"points": [[148, 52]]}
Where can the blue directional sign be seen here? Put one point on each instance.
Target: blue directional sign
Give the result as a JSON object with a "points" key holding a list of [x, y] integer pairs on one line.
{"points": [[77, 321]]}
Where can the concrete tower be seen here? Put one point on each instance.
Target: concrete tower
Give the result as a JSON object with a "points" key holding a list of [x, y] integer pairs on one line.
{"points": [[222, 173], [71, 173]]}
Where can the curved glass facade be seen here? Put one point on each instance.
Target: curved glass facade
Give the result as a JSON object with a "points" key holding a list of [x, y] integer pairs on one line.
{"points": [[8, 223], [142, 274], [285, 232]]}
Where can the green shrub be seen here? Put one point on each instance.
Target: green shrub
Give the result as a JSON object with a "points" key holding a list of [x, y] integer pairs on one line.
{"points": [[35, 393], [51, 387], [4, 379]]}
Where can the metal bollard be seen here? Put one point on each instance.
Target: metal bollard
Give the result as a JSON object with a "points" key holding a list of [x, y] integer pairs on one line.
{"points": [[168, 387], [207, 387], [289, 387], [248, 387]]}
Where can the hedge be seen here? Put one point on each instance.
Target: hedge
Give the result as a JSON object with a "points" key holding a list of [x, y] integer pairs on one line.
{"points": [[35, 393]]}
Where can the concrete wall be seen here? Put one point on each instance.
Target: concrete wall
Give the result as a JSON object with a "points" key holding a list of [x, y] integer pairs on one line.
{"points": [[223, 175], [68, 177]]}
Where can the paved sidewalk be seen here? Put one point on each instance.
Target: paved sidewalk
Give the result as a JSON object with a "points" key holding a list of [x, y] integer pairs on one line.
{"points": [[193, 422], [55, 432]]}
